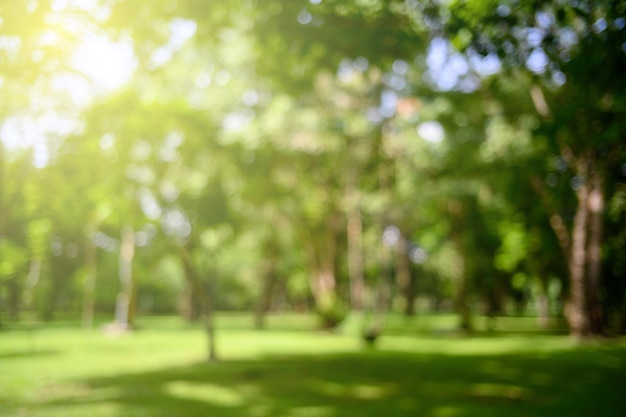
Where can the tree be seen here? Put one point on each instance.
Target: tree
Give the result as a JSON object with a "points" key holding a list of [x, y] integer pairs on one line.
{"points": [[575, 52]]}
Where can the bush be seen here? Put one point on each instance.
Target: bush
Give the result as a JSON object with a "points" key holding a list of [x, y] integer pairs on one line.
{"points": [[331, 312]]}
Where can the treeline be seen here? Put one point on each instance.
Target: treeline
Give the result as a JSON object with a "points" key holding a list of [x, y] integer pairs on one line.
{"points": [[330, 156]]}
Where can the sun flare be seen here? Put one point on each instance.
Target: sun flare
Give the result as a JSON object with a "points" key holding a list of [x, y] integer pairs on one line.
{"points": [[107, 64]]}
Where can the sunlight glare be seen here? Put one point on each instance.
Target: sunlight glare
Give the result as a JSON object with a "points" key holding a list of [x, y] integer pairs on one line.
{"points": [[109, 65], [431, 131]]}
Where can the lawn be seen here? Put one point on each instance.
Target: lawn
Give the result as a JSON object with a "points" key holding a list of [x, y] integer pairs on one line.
{"points": [[418, 368]]}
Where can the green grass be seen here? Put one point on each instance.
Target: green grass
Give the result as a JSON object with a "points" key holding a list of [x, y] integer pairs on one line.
{"points": [[419, 368]]}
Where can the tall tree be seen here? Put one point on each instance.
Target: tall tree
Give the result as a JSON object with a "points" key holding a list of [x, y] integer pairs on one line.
{"points": [[575, 51]]}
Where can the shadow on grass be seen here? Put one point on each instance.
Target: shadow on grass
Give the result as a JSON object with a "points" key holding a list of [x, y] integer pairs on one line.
{"points": [[27, 354], [373, 383]]}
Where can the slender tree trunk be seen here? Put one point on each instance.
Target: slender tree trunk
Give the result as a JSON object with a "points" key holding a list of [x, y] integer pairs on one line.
{"points": [[14, 298], [49, 309], [264, 302], [123, 308], [34, 274], [381, 297], [186, 303], [594, 259], [462, 297], [354, 232], [403, 275], [204, 298], [89, 285], [355, 260], [462, 303], [269, 283], [543, 308], [382, 302], [323, 282], [323, 279], [576, 311]]}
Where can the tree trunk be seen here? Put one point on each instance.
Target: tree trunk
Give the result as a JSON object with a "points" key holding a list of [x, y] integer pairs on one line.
{"points": [[381, 294], [354, 233], [576, 311], [89, 285], [403, 276], [186, 303], [204, 298], [543, 309], [14, 298], [269, 282], [594, 251], [323, 282], [324, 293], [462, 297], [583, 246], [462, 302], [323, 258], [34, 274], [123, 307], [355, 260]]}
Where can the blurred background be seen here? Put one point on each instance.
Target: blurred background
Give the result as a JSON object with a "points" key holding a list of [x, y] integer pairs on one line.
{"points": [[359, 207], [322, 157]]}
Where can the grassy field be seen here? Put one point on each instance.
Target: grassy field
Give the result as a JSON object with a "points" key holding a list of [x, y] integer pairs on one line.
{"points": [[419, 367]]}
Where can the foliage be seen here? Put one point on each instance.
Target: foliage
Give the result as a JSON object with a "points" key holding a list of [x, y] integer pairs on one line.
{"points": [[258, 150]]}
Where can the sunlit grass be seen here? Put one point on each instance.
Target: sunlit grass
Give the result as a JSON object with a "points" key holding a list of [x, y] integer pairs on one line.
{"points": [[293, 369]]}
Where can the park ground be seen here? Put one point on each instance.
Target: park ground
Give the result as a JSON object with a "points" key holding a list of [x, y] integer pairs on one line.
{"points": [[418, 367]]}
